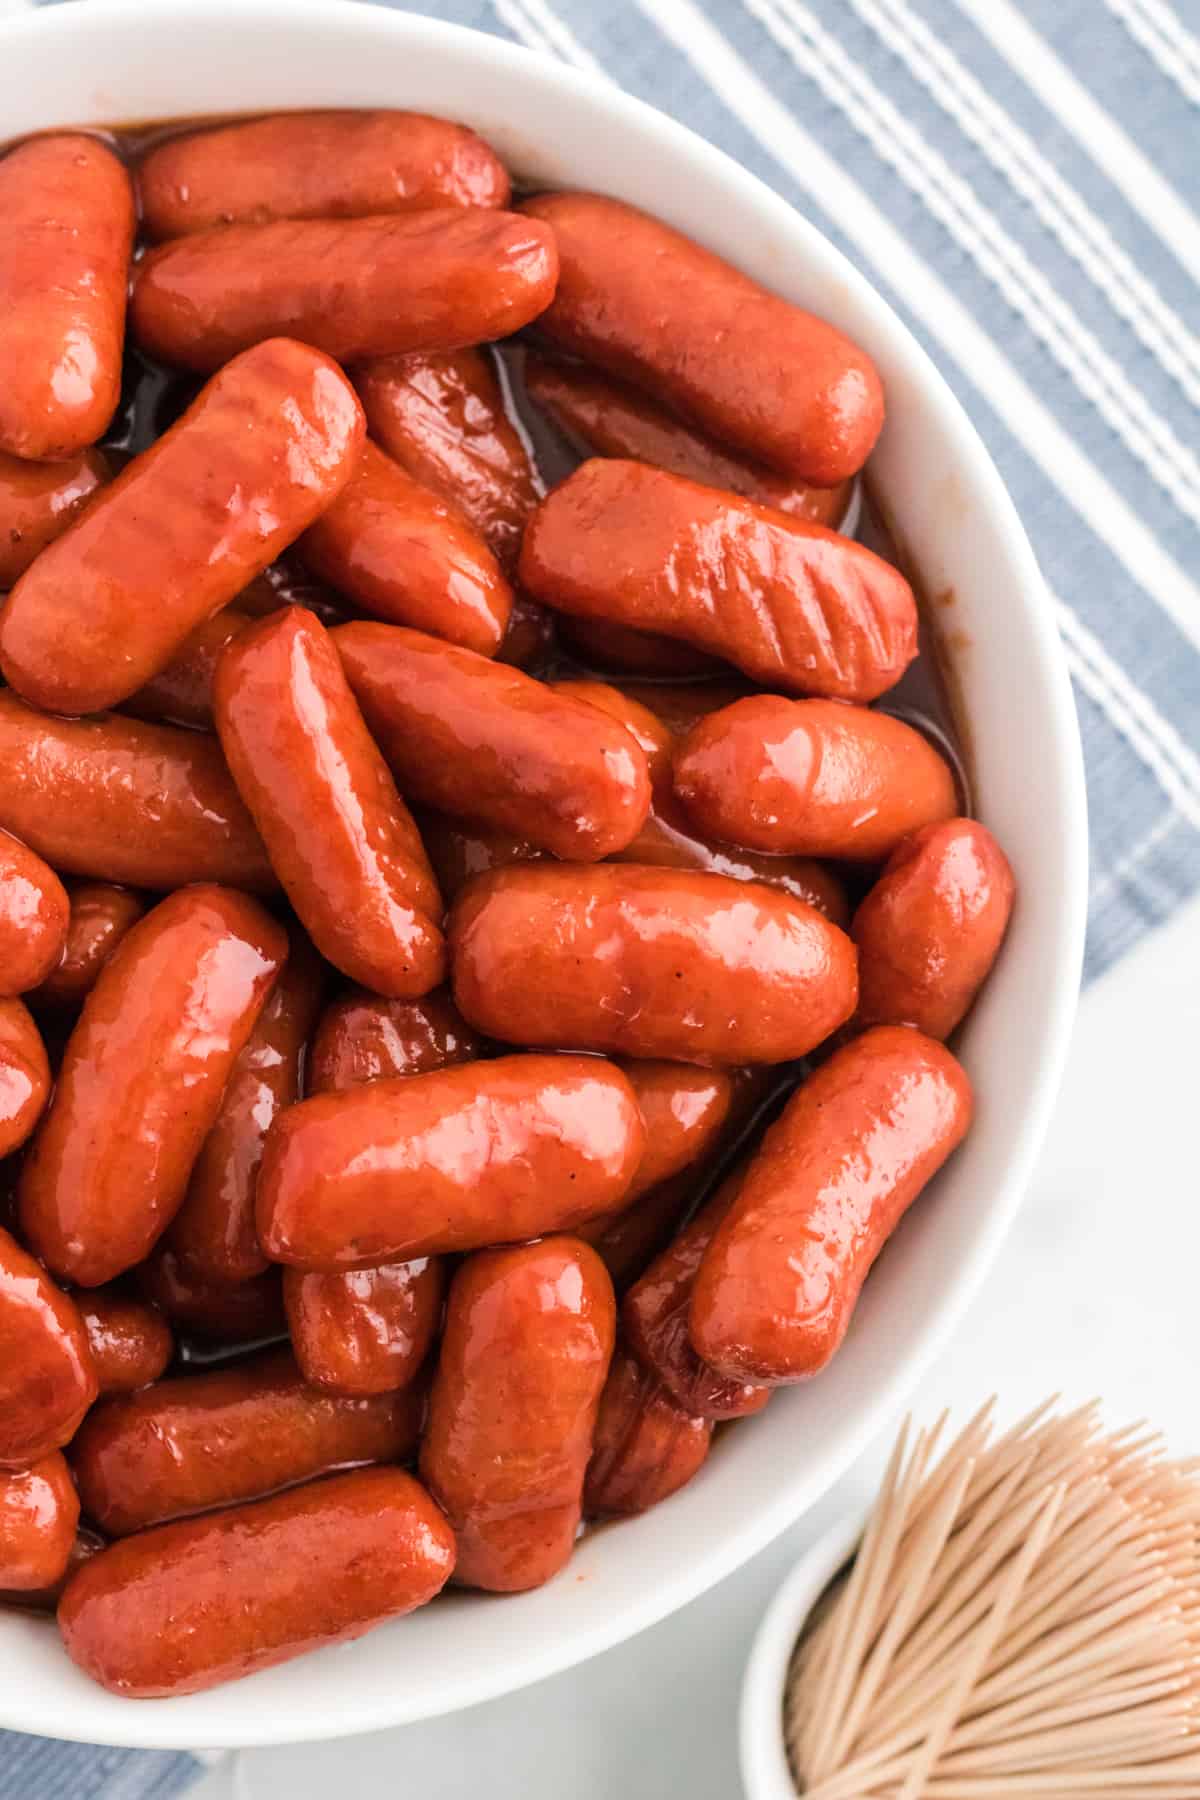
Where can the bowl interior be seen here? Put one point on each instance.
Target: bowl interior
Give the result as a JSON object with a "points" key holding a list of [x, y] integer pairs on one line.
{"points": [[116, 62]]}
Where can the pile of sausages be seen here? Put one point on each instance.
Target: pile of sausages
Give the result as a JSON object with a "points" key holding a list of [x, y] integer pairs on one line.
{"points": [[415, 885]]}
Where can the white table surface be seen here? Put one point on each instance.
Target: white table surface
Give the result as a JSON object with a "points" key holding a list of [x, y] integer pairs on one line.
{"points": [[1094, 1293]]}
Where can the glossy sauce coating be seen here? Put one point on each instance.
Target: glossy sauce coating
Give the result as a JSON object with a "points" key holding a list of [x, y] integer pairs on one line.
{"points": [[429, 280], [490, 1152], [314, 165], [47, 1377], [791, 604], [34, 914], [683, 1109], [531, 638], [442, 417], [476, 738], [223, 1312], [459, 852], [653, 307], [811, 776], [165, 1021], [931, 927], [213, 1231], [361, 1037], [39, 1510], [264, 447], [114, 799], [100, 916], [66, 233], [364, 1331], [130, 1341], [24, 1075], [189, 1605], [648, 962], [529, 1334], [825, 1190], [339, 836], [38, 500], [400, 553], [200, 1441], [645, 1448], [612, 419], [181, 693], [618, 650]]}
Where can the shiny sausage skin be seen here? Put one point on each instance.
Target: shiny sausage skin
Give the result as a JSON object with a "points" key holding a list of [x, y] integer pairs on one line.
{"points": [[87, 1543], [220, 1312], [648, 962], [364, 1331], [101, 914], [264, 447], [792, 605], [181, 693], [683, 1109], [610, 419], [811, 777], [24, 1075], [654, 1318], [646, 1448], [190, 1605], [827, 1187], [39, 1510], [314, 165], [361, 1037], [653, 307], [465, 1157], [356, 288], [34, 915], [213, 1231], [459, 852], [529, 1335], [47, 1377], [130, 1341], [38, 502], [66, 234], [338, 834], [113, 799], [401, 554], [472, 737], [201, 1441], [443, 418], [930, 929], [169, 1013]]}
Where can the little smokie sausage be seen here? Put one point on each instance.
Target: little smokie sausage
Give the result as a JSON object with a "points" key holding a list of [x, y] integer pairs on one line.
{"points": [[683, 1109], [39, 1511], [827, 1187], [218, 1312], [47, 1377], [599, 644], [811, 777], [430, 280], [24, 1075], [315, 165], [653, 307], [264, 447], [37, 503], [114, 799], [791, 604], [459, 852], [338, 834], [66, 234], [361, 1037], [187, 1606], [402, 554], [529, 1335], [101, 914], [86, 1544], [213, 1231], [487, 1153], [645, 1449], [181, 693], [469, 736], [130, 1341], [611, 419], [34, 915], [364, 1331], [930, 929], [443, 418], [167, 1018], [650, 963], [201, 1441]]}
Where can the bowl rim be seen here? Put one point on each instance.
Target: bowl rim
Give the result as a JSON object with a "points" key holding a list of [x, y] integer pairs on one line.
{"points": [[170, 1723]]}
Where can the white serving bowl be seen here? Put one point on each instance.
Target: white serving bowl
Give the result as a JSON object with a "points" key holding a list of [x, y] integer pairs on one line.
{"points": [[113, 60]]}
